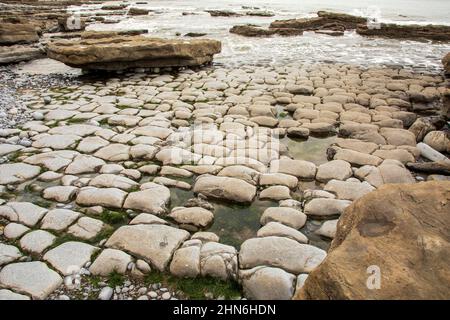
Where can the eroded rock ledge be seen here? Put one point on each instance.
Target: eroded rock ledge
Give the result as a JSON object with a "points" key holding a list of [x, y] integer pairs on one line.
{"points": [[403, 230], [335, 24], [123, 52], [323, 18], [431, 32]]}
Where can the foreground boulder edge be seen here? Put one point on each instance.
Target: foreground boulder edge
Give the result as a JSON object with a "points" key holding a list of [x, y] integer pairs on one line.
{"points": [[123, 52], [404, 229]]}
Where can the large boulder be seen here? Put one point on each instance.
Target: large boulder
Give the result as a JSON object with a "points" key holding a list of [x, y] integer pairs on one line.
{"points": [[253, 31], [400, 230], [122, 52]]}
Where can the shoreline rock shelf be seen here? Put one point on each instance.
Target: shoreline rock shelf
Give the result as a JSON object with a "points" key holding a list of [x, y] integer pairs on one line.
{"points": [[395, 31], [334, 24], [123, 52], [111, 176]]}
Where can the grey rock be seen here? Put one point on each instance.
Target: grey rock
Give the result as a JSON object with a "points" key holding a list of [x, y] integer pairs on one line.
{"points": [[33, 278], [267, 283], [280, 252], [155, 243], [70, 256]]}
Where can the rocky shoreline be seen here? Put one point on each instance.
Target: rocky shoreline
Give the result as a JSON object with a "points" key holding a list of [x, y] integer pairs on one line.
{"points": [[118, 185]]}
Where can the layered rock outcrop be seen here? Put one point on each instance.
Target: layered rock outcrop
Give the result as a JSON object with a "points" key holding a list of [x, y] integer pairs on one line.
{"points": [[253, 31], [324, 20], [432, 32], [399, 233], [123, 52], [17, 33]]}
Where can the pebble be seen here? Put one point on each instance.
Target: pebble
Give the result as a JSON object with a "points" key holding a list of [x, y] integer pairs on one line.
{"points": [[38, 116], [47, 100], [106, 293], [142, 291]]}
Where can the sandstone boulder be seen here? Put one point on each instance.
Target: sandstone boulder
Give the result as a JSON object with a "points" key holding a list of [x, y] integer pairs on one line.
{"points": [[13, 33], [122, 52], [402, 230]]}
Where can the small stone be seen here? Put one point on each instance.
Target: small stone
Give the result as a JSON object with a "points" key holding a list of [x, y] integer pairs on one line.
{"points": [[142, 291], [267, 283], [275, 193], [8, 253], [285, 215], [106, 293], [33, 278], [336, 169], [14, 230], [326, 207], [86, 228], [9, 295], [60, 194], [143, 266], [59, 219], [37, 241], [69, 256], [38, 116], [11, 173], [328, 229], [110, 260]]}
